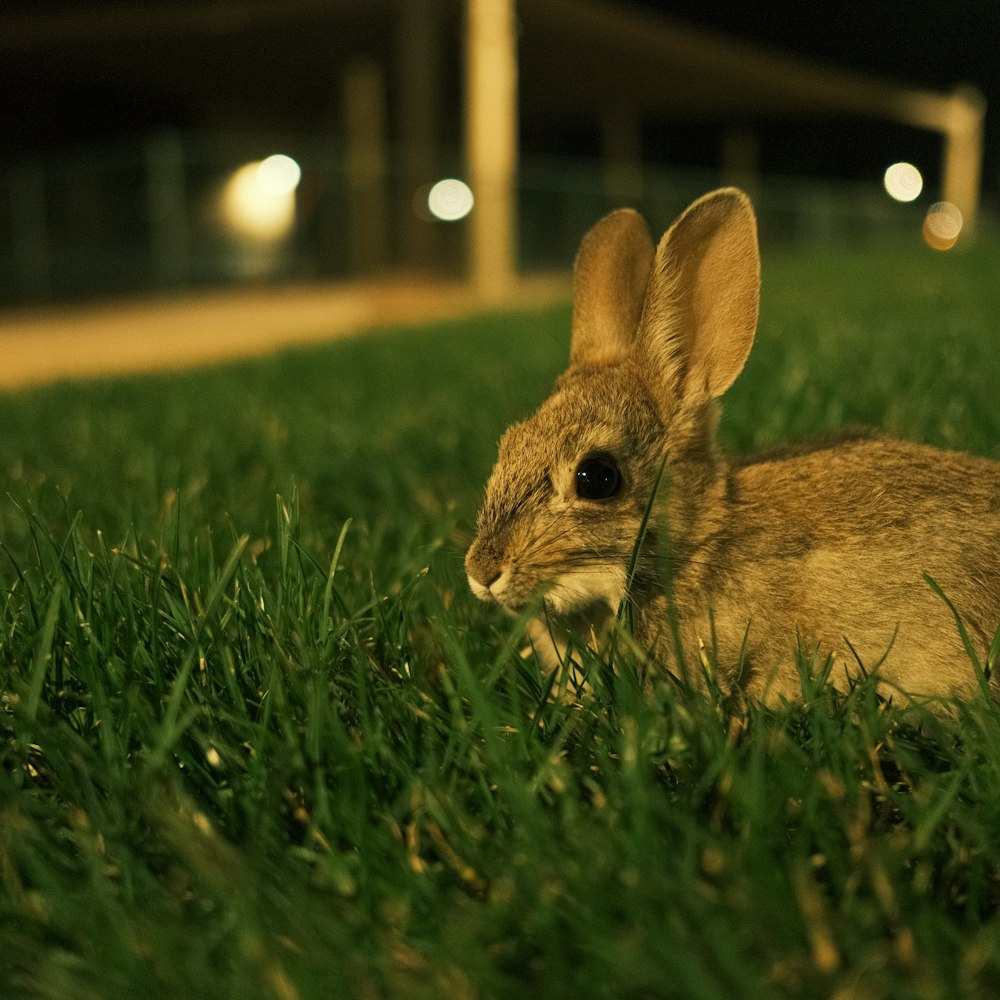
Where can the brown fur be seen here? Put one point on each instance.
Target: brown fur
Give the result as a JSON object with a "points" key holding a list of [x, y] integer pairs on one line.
{"points": [[820, 548]]}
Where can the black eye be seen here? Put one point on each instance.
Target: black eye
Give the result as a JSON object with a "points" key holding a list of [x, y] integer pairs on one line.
{"points": [[598, 478]]}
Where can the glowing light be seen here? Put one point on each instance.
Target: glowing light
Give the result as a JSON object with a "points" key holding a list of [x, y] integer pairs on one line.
{"points": [[278, 174], [450, 200], [942, 225], [903, 182], [258, 200]]}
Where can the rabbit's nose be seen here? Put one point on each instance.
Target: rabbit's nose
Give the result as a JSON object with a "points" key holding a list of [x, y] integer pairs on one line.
{"points": [[483, 568], [492, 576]]}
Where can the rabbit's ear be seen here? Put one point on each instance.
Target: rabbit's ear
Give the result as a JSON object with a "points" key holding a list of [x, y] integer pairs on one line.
{"points": [[609, 285], [700, 314]]}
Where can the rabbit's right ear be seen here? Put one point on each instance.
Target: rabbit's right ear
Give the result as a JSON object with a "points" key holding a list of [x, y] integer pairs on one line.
{"points": [[609, 287], [700, 315]]}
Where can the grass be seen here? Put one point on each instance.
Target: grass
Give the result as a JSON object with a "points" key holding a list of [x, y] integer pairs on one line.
{"points": [[259, 741]]}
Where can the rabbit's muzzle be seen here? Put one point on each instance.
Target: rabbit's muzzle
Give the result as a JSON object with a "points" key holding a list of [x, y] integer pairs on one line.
{"points": [[484, 568]]}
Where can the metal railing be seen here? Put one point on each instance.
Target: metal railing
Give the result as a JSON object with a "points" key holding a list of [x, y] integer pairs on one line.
{"points": [[158, 213]]}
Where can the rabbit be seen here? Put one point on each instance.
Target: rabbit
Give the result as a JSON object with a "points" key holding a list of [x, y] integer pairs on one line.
{"points": [[744, 564]]}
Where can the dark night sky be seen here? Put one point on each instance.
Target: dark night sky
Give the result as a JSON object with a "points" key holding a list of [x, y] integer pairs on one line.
{"points": [[935, 44], [929, 44]]}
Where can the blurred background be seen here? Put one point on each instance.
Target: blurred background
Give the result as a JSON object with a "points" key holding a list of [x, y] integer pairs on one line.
{"points": [[170, 145]]}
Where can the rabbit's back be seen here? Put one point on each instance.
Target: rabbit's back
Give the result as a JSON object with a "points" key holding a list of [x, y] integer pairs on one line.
{"points": [[829, 549]]}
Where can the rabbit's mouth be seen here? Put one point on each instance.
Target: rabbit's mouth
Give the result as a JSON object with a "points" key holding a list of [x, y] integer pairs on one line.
{"points": [[594, 593], [483, 591], [504, 588], [579, 593]]}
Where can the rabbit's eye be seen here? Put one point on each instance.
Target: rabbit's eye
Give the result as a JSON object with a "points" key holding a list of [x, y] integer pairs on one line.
{"points": [[598, 478]]}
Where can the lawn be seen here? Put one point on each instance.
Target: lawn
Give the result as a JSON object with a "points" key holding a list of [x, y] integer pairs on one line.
{"points": [[260, 741]]}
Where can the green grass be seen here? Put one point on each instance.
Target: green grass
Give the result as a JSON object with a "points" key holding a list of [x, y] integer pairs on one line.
{"points": [[259, 741]]}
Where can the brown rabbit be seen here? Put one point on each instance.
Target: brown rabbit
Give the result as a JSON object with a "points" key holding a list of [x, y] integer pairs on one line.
{"points": [[821, 548]]}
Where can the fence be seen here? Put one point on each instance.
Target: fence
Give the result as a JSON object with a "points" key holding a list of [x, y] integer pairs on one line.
{"points": [[164, 213]]}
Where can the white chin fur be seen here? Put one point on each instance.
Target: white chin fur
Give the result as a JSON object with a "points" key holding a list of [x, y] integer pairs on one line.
{"points": [[483, 593], [574, 592]]}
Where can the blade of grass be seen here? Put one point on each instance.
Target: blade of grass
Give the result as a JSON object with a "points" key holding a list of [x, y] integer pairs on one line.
{"points": [[43, 654], [981, 675]]}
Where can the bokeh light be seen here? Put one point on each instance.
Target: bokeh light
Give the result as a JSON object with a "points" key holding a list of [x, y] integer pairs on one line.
{"points": [[450, 200], [278, 174], [942, 225], [258, 200], [903, 182]]}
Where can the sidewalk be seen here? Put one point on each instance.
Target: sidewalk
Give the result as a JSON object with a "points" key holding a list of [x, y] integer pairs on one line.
{"points": [[161, 334]]}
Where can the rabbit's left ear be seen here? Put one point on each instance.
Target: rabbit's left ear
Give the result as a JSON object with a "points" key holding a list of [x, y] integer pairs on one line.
{"points": [[609, 286], [700, 314]]}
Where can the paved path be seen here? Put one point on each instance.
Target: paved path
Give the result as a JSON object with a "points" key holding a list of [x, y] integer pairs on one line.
{"points": [[161, 334]]}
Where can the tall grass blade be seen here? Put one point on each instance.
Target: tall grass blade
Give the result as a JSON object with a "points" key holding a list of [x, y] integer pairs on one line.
{"points": [[977, 666], [327, 624], [42, 658]]}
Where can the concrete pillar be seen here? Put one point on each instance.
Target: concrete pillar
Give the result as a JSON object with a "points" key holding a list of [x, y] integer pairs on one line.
{"points": [[491, 142], [417, 103], [365, 166], [29, 238], [961, 174], [741, 158], [167, 210], [621, 152]]}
